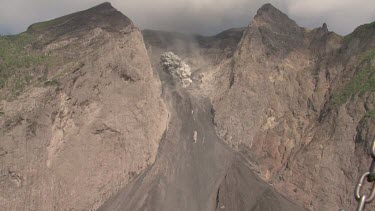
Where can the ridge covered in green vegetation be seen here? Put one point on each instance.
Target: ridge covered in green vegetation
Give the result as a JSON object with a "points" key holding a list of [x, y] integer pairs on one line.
{"points": [[16, 56], [363, 81], [37, 27], [363, 32]]}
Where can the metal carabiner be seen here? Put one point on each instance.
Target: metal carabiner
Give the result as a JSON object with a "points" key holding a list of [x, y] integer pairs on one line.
{"points": [[357, 191], [362, 203]]}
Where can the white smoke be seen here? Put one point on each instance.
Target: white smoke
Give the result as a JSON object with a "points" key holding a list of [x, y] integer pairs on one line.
{"points": [[179, 70]]}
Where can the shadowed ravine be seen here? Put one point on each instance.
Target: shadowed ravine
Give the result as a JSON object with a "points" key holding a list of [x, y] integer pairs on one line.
{"points": [[201, 175]]}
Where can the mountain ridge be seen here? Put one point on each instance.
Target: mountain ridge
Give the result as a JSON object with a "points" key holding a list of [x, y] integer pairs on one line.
{"points": [[103, 15], [74, 127], [102, 124]]}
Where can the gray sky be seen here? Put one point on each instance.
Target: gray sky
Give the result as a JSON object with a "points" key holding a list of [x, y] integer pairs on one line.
{"points": [[194, 16]]}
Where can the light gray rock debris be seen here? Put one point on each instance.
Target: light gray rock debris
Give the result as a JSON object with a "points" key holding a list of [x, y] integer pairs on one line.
{"points": [[195, 137], [179, 70]]}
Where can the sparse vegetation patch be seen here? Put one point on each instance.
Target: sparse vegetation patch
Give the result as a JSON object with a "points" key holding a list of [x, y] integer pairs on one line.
{"points": [[17, 57], [363, 81]]}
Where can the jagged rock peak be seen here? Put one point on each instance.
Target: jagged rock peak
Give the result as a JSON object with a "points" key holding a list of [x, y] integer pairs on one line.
{"points": [[271, 17], [106, 6], [270, 13], [103, 15], [275, 30], [325, 27], [267, 8]]}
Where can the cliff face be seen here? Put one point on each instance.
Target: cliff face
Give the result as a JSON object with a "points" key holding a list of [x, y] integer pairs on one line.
{"points": [[84, 116], [301, 103], [88, 118]]}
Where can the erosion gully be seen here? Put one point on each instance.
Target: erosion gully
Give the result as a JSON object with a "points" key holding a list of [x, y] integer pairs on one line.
{"points": [[196, 173]]}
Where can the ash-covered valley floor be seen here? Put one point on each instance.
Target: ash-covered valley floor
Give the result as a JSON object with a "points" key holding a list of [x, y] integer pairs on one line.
{"points": [[194, 169]]}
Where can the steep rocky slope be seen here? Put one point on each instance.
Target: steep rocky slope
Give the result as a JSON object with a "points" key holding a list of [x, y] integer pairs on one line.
{"points": [[195, 169], [301, 103], [298, 102], [84, 117], [74, 126]]}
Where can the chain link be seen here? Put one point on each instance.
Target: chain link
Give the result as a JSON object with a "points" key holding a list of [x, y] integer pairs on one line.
{"points": [[370, 176]]}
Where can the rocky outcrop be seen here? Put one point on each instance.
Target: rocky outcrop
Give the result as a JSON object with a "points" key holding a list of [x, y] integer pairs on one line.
{"points": [[297, 102], [296, 106], [82, 116], [285, 98], [80, 130]]}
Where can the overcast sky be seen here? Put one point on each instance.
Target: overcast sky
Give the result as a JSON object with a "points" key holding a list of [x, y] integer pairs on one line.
{"points": [[194, 16]]}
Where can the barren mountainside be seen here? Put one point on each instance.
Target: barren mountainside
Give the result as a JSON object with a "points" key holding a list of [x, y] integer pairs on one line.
{"points": [[88, 118], [274, 117]]}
